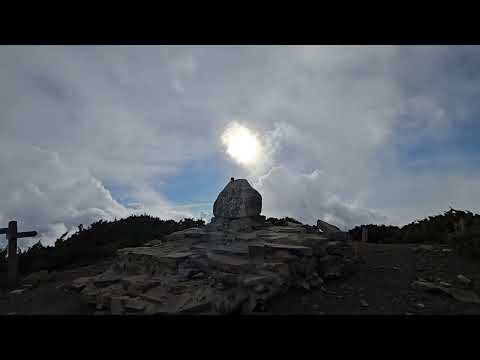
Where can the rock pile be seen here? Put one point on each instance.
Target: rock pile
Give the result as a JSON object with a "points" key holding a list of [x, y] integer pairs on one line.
{"points": [[234, 264]]}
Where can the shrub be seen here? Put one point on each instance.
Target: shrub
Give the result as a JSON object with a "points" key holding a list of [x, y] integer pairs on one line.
{"points": [[467, 242]]}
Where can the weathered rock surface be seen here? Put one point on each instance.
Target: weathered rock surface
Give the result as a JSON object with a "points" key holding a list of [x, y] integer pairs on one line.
{"points": [[458, 294], [326, 227], [238, 199], [37, 277], [218, 269]]}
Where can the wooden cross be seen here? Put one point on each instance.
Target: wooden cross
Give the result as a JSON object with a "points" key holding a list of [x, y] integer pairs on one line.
{"points": [[364, 234], [12, 236]]}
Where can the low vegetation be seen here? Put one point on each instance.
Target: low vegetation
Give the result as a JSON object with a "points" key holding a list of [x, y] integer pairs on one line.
{"points": [[99, 241], [459, 229], [456, 228]]}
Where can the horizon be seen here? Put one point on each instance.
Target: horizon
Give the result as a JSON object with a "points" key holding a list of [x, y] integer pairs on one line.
{"points": [[351, 135]]}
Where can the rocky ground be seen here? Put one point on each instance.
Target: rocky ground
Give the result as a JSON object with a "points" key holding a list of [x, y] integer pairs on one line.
{"points": [[381, 284]]}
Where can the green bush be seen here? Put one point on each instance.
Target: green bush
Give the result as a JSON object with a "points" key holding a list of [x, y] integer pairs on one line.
{"points": [[467, 242], [100, 241]]}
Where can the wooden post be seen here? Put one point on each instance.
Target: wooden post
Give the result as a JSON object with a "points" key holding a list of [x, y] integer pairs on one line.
{"points": [[12, 253], [12, 236], [364, 234]]}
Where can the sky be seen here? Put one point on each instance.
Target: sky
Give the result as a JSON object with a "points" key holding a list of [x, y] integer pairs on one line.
{"points": [[348, 134]]}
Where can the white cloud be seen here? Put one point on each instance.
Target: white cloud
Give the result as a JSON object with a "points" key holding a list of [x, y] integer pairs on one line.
{"points": [[44, 193], [309, 197]]}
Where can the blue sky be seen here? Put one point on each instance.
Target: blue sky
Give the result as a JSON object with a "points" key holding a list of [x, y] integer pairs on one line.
{"points": [[348, 134]]}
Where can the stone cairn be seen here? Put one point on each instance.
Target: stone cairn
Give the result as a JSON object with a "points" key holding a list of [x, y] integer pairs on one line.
{"points": [[234, 264]]}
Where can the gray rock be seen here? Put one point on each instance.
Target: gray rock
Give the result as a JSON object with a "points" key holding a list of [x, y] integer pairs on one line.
{"points": [[116, 305], [198, 276], [135, 304], [326, 227], [230, 302], [229, 263], [37, 277], [260, 289], [255, 280], [363, 303], [463, 279], [424, 247], [466, 296], [238, 199]]}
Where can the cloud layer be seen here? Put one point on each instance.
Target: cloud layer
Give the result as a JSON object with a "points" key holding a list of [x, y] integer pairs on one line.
{"points": [[350, 134]]}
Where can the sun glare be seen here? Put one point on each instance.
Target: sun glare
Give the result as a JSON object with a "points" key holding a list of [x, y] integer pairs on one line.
{"points": [[241, 144]]}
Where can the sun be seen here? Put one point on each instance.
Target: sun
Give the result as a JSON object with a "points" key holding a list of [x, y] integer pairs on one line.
{"points": [[241, 144]]}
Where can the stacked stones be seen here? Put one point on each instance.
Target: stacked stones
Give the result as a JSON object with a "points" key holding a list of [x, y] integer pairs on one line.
{"points": [[236, 263]]}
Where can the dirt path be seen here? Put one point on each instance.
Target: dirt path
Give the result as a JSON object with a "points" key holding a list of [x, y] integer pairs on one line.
{"points": [[379, 285], [50, 298], [383, 282]]}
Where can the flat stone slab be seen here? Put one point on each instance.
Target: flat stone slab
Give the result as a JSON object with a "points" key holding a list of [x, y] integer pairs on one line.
{"points": [[240, 251], [259, 279], [256, 251], [247, 236], [295, 249], [192, 233], [229, 263], [288, 229], [158, 253]]}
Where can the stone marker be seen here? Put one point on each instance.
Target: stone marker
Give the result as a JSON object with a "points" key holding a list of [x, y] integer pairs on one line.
{"points": [[236, 263], [238, 199]]}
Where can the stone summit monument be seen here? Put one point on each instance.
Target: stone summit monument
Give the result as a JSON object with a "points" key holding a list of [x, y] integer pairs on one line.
{"points": [[236, 263]]}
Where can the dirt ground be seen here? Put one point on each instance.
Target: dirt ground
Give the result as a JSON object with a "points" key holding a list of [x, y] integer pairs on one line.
{"points": [[51, 298], [379, 285]]}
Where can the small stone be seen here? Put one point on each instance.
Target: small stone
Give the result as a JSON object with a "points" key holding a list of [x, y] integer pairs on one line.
{"points": [[260, 289], [220, 286], [17, 292], [363, 303], [303, 299], [100, 313], [198, 276], [407, 313], [316, 283], [116, 305], [444, 283], [463, 279], [420, 305], [446, 250], [424, 248], [134, 304], [303, 284]]}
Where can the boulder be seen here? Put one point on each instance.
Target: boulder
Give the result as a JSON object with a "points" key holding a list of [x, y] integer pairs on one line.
{"points": [[238, 199]]}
